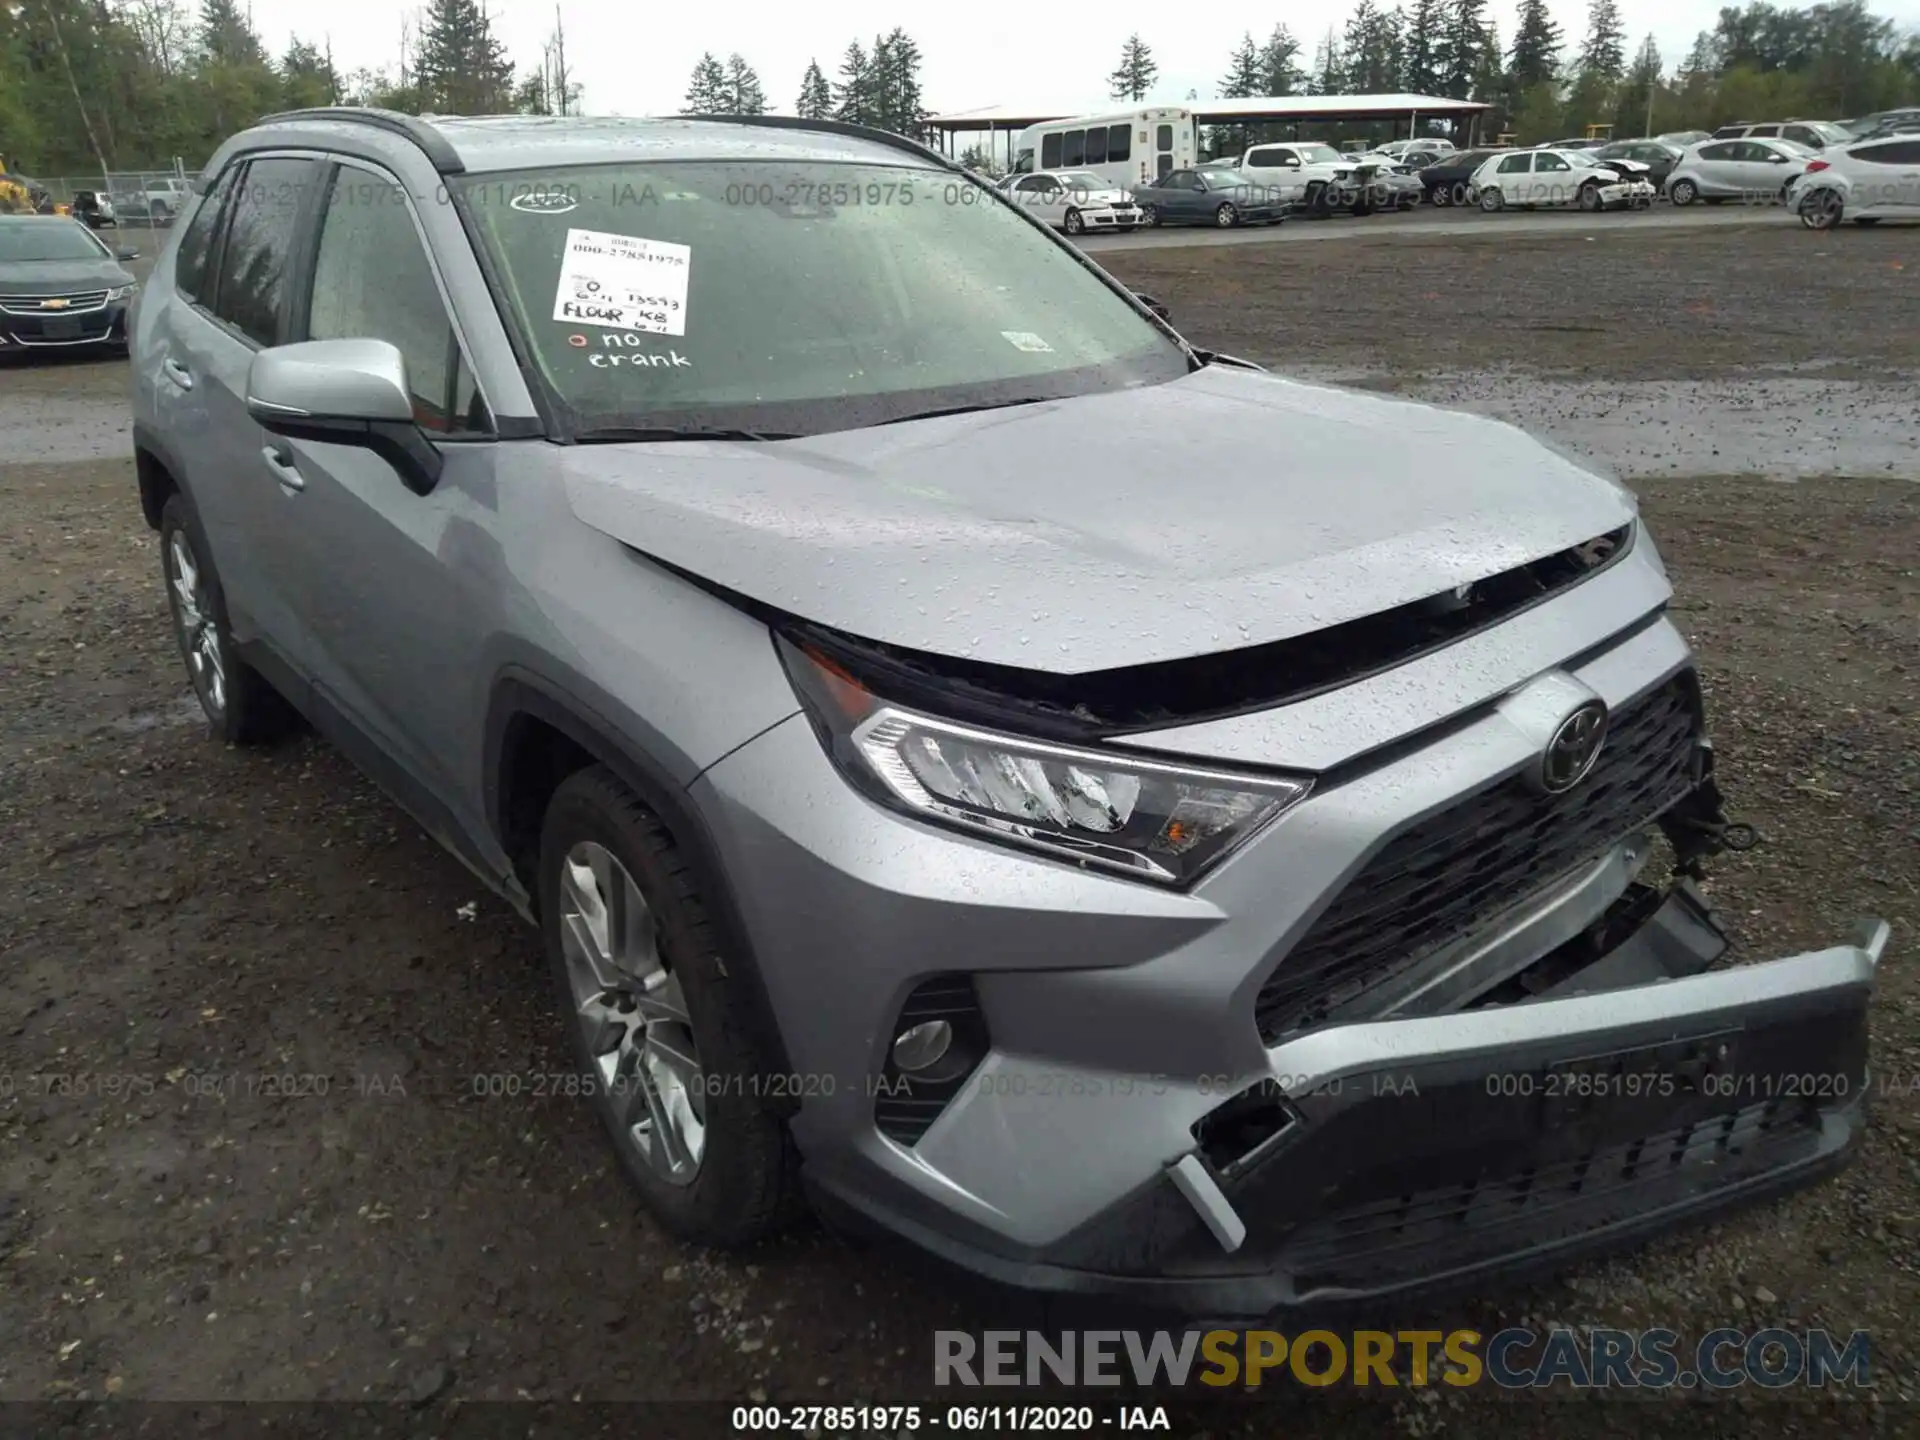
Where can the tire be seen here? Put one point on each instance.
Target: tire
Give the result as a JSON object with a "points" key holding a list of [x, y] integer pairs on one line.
{"points": [[240, 706], [1462, 194], [1589, 196], [1822, 209], [158, 213], [739, 1187], [1440, 195], [1491, 199], [1226, 217], [1149, 217], [1073, 223], [1684, 192]]}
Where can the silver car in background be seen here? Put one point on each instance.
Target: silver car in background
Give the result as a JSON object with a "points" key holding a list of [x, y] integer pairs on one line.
{"points": [[1757, 171], [1073, 200], [1131, 824]]}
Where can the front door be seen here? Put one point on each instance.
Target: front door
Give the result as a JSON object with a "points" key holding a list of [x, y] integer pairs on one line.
{"points": [[379, 570]]}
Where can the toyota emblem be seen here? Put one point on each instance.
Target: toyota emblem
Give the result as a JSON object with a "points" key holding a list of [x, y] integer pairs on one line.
{"points": [[1573, 749]]}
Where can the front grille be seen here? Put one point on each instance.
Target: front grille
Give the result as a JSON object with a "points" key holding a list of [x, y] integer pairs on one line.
{"points": [[1387, 1240], [1443, 877], [74, 304]]}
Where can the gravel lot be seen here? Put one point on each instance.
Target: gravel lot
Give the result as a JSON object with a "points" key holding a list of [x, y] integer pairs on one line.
{"points": [[183, 922]]}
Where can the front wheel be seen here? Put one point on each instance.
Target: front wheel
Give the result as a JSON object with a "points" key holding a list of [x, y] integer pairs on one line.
{"points": [[1149, 217], [1226, 217], [1074, 223], [1684, 192], [1440, 195], [1589, 196], [1822, 210], [659, 1022], [1491, 199]]}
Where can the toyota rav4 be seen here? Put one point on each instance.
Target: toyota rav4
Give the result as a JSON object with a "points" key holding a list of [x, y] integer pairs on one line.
{"points": [[1132, 824]]}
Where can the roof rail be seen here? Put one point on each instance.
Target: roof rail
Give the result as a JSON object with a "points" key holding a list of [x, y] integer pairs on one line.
{"points": [[835, 127], [445, 159]]}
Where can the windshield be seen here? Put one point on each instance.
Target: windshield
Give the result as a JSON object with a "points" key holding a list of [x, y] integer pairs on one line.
{"points": [[1221, 176], [47, 240], [1827, 130], [1319, 154], [1083, 180], [797, 298]]}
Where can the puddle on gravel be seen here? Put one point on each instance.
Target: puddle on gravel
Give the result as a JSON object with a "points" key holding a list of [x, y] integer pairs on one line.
{"points": [[62, 429], [184, 711], [1783, 428]]}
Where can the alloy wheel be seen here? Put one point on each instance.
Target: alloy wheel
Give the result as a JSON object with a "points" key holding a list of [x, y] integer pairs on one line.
{"points": [[196, 626], [1821, 210], [1226, 217], [632, 1013]]}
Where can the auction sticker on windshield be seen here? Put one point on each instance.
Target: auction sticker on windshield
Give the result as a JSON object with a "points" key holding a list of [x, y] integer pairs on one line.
{"points": [[623, 282]]}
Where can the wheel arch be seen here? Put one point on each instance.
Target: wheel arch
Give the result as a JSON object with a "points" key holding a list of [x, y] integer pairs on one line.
{"points": [[158, 474], [539, 731]]}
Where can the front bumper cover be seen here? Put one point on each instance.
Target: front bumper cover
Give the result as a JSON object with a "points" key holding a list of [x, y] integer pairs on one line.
{"points": [[1426, 1156]]}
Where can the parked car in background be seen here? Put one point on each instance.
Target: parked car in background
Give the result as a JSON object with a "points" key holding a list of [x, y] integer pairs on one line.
{"points": [[1866, 183], [1433, 144], [94, 209], [1216, 195], [1312, 176], [1073, 200], [1550, 178], [60, 288], [1449, 180], [1815, 135], [1684, 138], [1392, 184], [1758, 171], [1657, 156], [157, 203]]}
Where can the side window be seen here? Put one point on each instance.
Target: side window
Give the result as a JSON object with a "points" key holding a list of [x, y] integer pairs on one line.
{"points": [[1717, 152], [252, 289], [1073, 148], [1514, 165], [1764, 130], [1049, 151], [1899, 152], [1119, 142], [1267, 159], [199, 242], [1032, 185], [1550, 161], [372, 281], [1097, 145]]}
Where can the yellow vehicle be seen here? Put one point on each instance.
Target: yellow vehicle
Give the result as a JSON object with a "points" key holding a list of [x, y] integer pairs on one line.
{"points": [[1599, 132], [15, 199]]}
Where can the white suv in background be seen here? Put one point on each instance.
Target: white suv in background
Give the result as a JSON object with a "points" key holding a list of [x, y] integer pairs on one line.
{"points": [[1867, 183]]}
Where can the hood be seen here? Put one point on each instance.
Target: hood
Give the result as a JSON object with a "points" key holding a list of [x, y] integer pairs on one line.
{"points": [[60, 277], [1224, 509]]}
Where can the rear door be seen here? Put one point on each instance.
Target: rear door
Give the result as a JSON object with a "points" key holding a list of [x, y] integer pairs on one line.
{"points": [[1885, 178], [1512, 177], [1715, 166], [241, 310]]}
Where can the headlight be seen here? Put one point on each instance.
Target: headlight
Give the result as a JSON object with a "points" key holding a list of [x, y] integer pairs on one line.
{"points": [[123, 292], [1148, 819]]}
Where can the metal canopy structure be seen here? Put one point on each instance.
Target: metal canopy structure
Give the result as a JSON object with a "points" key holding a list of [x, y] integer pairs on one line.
{"points": [[1263, 110]]}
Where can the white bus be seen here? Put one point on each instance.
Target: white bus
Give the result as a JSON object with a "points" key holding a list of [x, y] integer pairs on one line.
{"points": [[1127, 147]]}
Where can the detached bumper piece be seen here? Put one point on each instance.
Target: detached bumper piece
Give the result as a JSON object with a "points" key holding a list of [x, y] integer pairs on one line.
{"points": [[1396, 1158]]}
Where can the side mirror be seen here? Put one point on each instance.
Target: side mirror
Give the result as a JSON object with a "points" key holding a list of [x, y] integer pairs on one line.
{"points": [[1154, 305], [127, 255], [344, 392]]}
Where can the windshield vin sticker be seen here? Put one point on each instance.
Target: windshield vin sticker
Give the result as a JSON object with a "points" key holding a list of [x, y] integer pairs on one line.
{"points": [[623, 283], [1026, 340]]}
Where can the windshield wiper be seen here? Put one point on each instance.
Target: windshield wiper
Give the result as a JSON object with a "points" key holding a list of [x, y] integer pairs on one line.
{"points": [[618, 434], [964, 409]]}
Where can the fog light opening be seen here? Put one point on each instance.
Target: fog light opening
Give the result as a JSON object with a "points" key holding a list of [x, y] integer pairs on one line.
{"points": [[1234, 1135], [922, 1046]]}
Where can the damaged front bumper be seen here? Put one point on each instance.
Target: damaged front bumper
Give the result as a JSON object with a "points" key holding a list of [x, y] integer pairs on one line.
{"points": [[1407, 1157]]}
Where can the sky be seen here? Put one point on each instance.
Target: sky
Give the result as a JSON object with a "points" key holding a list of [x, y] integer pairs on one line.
{"points": [[635, 59]]}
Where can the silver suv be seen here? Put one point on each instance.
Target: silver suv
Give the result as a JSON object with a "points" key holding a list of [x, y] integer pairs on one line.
{"points": [[1130, 823]]}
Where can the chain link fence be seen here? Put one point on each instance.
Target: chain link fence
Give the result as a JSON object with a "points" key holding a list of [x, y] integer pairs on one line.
{"points": [[139, 197]]}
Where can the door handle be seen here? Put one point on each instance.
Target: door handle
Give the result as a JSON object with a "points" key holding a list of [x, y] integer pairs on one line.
{"points": [[282, 466], [177, 373]]}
